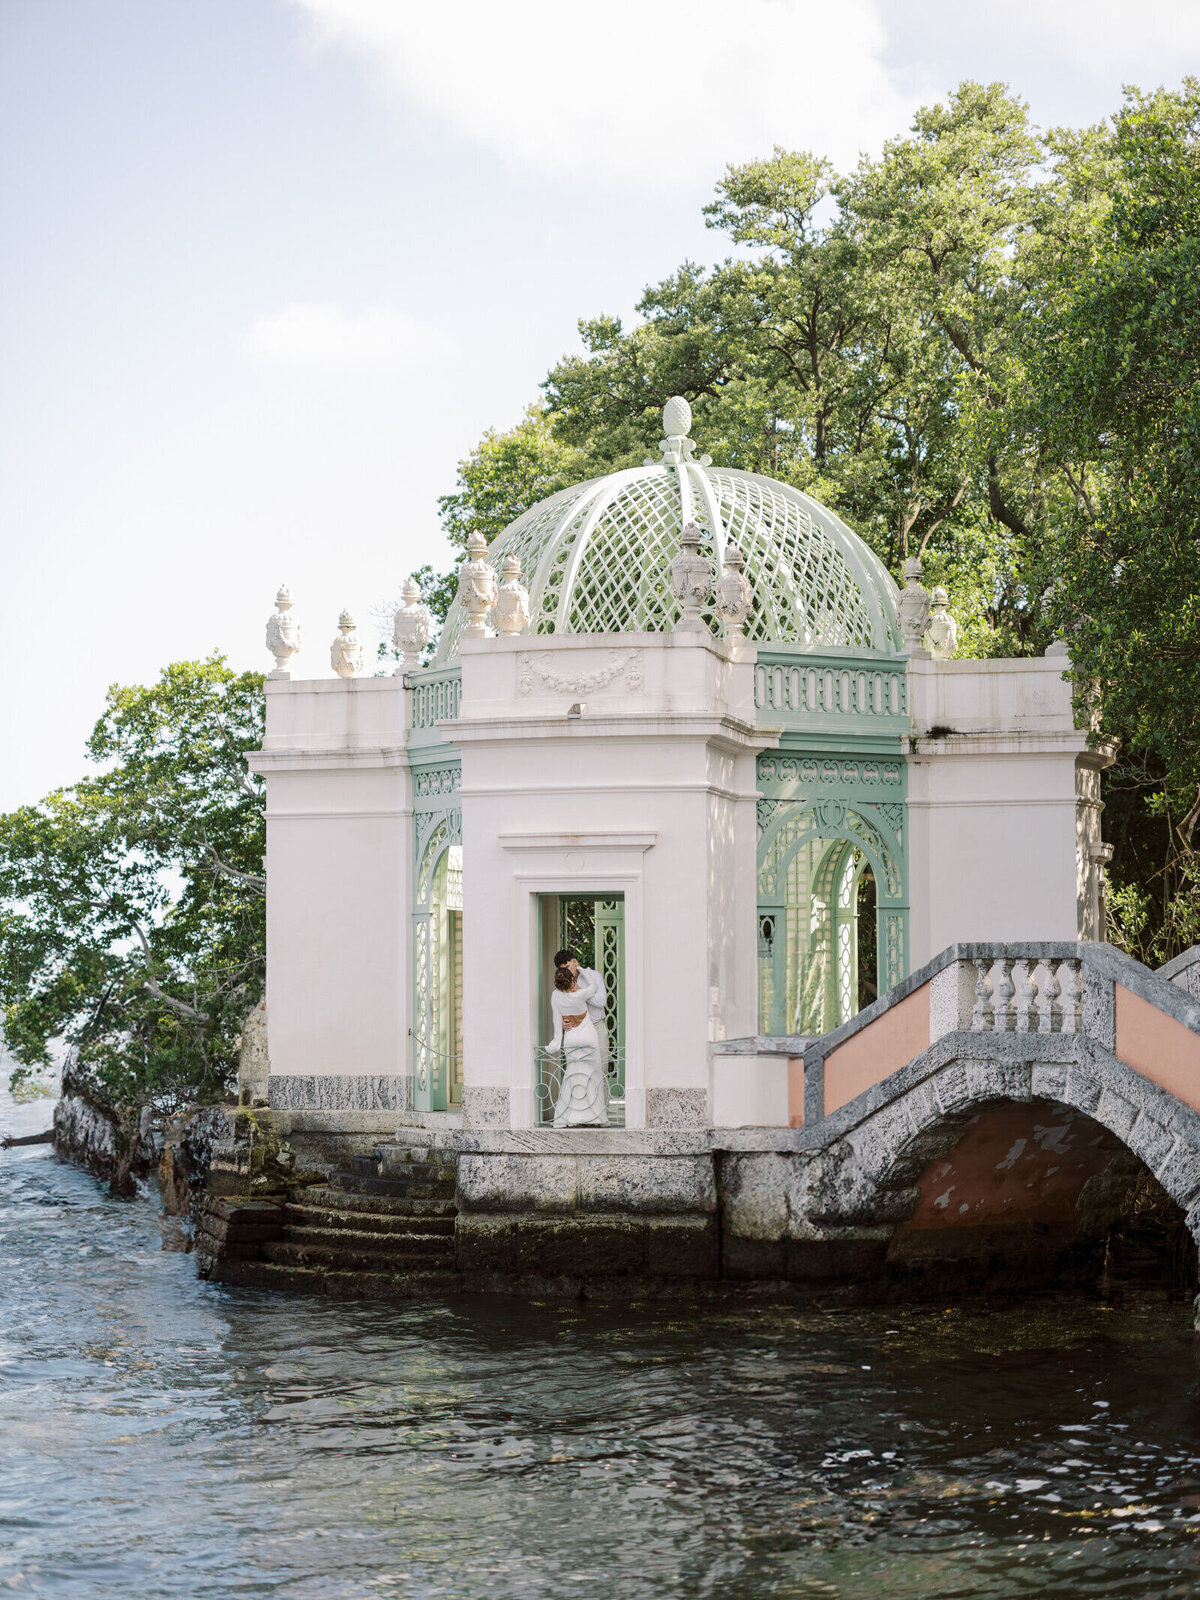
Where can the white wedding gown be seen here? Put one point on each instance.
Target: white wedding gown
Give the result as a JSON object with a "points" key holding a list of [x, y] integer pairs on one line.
{"points": [[583, 1094]]}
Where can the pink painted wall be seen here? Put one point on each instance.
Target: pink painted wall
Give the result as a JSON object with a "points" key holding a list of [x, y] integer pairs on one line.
{"points": [[1159, 1047], [888, 1043]]}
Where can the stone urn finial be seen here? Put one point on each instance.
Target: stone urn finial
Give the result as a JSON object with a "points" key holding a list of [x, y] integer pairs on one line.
{"points": [[734, 595], [512, 598], [477, 588], [412, 626], [283, 634], [346, 651], [691, 581], [913, 606], [941, 637]]}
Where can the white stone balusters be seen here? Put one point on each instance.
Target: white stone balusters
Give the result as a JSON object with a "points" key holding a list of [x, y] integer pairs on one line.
{"points": [[734, 595], [1003, 990], [283, 634], [941, 636], [981, 1016], [412, 626], [477, 588], [512, 598], [1072, 992], [1047, 994], [913, 606], [1010, 992], [691, 581], [346, 651], [1026, 988]]}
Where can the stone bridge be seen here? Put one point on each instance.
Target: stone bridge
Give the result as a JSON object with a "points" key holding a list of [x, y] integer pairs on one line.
{"points": [[1002, 1112], [1009, 1116]]}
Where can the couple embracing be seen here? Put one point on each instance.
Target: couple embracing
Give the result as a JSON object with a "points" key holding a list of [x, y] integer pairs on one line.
{"points": [[580, 1033]]}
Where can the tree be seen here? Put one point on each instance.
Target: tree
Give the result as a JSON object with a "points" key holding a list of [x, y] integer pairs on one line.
{"points": [[1116, 371], [131, 904], [864, 346]]}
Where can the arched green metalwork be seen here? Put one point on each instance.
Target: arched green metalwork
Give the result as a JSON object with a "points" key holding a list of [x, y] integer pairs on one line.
{"points": [[811, 857], [437, 940], [596, 557]]}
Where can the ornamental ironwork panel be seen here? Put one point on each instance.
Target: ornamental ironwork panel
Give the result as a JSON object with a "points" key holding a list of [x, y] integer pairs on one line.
{"points": [[436, 695], [437, 936], [824, 822]]}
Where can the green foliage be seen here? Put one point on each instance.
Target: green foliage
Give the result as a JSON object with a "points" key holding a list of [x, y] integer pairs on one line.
{"points": [[864, 346], [1115, 372], [131, 904]]}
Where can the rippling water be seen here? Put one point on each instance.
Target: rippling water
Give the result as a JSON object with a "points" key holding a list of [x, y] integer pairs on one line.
{"points": [[164, 1437]]}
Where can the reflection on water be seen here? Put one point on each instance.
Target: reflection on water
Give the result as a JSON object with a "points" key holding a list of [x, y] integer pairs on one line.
{"points": [[162, 1437]]}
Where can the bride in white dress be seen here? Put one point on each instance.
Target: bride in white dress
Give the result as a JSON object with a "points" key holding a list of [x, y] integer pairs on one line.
{"points": [[583, 1096]]}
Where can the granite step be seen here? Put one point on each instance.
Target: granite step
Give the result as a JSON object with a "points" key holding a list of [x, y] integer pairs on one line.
{"points": [[420, 1172], [338, 1258], [301, 1214], [394, 1188], [338, 1285], [336, 1198], [397, 1155], [391, 1245]]}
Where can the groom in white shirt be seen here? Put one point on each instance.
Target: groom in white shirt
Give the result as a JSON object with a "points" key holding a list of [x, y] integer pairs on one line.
{"points": [[595, 1006]]}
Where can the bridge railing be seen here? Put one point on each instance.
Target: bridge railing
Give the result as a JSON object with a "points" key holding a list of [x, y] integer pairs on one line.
{"points": [[1038, 996]]}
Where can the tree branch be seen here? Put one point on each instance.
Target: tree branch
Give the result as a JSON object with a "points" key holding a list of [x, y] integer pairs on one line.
{"points": [[240, 777], [251, 878], [937, 522], [1080, 488], [151, 983], [996, 503]]}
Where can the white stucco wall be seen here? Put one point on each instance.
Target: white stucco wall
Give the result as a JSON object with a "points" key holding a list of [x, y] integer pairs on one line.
{"points": [[650, 791], [338, 864], [998, 838]]}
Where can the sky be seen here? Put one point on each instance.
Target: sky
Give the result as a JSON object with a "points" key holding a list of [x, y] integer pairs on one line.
{"points": [[269, 268]]}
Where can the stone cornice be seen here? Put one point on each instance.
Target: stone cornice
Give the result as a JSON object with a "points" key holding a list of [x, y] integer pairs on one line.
{"points": [[298, 759], [730, 732]]}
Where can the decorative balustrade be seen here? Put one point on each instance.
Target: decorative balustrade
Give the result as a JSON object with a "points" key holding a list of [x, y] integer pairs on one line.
{"points": [[436, 695], [1027, 995], [852, 694]]}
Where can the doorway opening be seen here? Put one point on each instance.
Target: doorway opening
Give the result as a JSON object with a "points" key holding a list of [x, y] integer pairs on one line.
{"points": [[592, 926]]}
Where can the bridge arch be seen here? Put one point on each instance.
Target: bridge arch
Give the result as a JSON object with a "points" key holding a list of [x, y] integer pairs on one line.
{"points": [[980, 1140]]}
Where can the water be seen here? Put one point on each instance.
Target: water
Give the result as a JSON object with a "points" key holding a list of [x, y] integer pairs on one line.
{"points": [[165, 1437]]}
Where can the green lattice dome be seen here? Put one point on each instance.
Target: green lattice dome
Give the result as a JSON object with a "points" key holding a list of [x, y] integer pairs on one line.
{"points": [[596, 557]]}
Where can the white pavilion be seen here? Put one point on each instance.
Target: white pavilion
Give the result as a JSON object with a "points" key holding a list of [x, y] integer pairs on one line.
{"points": [[682, 720]]}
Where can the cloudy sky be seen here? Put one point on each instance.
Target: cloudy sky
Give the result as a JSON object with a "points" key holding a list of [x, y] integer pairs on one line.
{"points": [[269, 267]]}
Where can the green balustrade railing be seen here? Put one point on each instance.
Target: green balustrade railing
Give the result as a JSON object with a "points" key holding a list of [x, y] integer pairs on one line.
{"points": [[829, 693]]}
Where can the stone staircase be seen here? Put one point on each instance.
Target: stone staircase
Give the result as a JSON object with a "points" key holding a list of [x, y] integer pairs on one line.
{"points": [[381, 1229]]}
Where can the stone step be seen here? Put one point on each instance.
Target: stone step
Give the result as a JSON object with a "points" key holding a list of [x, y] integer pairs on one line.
{"points": [[391, 1154], [337, 1258], [388, 1222], [336, 1198], [340, 1285], [408, 1245], [397, 1188], [419, 1171]]}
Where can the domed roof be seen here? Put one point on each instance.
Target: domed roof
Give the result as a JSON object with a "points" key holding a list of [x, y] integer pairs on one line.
{"points": [[596, 557]]}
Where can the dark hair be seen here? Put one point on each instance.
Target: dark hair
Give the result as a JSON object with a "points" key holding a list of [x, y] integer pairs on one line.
{"points": [[564, 979], [563, 956]]}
